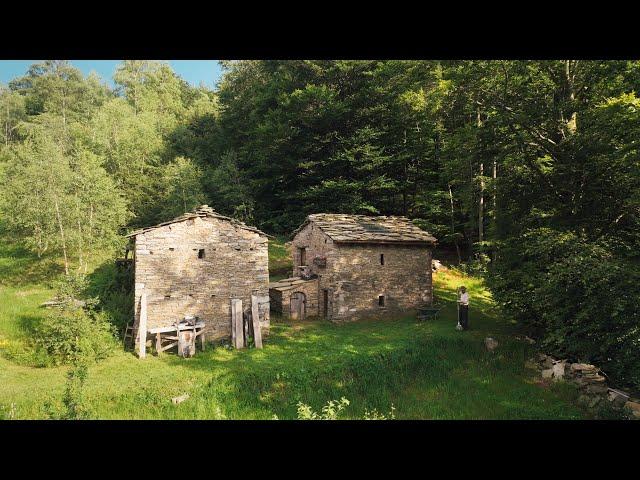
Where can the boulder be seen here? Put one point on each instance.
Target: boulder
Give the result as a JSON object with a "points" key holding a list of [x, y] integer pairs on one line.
{"points": [[634, 407], [548, 373], [558, 370], [583, 367], [548, 362], [490, 343], [618, 397], [180, 399], [596, 389]]}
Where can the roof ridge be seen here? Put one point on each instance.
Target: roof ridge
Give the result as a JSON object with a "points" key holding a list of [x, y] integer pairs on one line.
{"points": [[200, 211]]}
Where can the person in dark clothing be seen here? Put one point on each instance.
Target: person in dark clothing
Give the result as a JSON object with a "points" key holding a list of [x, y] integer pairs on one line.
{"points": [[463, 308]]}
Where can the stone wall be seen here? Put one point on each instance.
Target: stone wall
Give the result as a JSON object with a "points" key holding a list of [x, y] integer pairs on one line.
{"points": [[281, 298], [195, 267], [355, 278]]}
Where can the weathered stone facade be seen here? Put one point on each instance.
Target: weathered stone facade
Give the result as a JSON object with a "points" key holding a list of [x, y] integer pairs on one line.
{"points": [[281, 292], [195, 266], [365, 274]]}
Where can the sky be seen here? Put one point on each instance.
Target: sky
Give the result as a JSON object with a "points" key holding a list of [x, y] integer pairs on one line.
{"points": [[193, 71]]}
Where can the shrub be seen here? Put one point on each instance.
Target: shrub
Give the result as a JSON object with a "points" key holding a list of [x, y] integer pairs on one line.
{"points": [[72, 332], [580, 297], [333, 409], [76, 330]]}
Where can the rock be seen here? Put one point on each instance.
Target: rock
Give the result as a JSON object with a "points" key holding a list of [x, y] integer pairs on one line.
{"points": [[596, 389], [490, 343], [583, 367], [618, 397], [180, 399], [548, 362], [558, 370], [634, 407], [548, 373], [437, 265]]}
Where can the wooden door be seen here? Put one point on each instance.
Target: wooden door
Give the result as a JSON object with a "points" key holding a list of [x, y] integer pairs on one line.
{"points": [[298, 302]]}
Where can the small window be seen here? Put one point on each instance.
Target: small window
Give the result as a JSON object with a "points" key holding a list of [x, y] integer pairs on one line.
{"points": [[201, 253], [171, 249], [167, 297], [382, 259], [303, 256], [381, 300]]}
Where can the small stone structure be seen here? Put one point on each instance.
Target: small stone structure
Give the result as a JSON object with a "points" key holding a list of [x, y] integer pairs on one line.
{"points": [[295, 298], [358, 266], [195, 265]]}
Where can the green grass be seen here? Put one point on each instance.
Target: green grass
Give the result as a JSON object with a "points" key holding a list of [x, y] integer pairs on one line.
{"points": [[280, 264], [426, 370]]}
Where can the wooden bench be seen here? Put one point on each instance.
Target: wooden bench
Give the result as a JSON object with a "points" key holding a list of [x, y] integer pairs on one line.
{"points": [[170, 334]]}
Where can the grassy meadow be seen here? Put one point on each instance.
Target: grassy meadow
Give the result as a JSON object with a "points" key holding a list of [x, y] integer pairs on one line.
{"points": [[425, 370]]}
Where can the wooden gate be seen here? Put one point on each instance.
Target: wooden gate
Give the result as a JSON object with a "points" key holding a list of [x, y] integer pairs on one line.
{"points": [[298, 304]]}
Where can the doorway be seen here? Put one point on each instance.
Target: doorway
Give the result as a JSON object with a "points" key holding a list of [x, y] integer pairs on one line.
{"points": [[325, 303], [298, 306]]}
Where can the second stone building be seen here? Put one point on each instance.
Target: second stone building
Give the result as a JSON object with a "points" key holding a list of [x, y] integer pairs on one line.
{"points": [[353, 266]]}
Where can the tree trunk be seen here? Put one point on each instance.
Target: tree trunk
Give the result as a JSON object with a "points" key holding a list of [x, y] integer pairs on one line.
{"points": [[481, 200], [453, 227], [481, 205], [64, 244]]}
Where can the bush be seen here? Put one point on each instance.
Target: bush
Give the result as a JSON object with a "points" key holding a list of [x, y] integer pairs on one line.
{"points": [[72, 332], [579, 297], [76, 330]]}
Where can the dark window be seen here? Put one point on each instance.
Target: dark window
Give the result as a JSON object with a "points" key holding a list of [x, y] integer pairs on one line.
{"points": [[303, 256], [201, 253], [167, 297], [382, 259], [381, 301]]}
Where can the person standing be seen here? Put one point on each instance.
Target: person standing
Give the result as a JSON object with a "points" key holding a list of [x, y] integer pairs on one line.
{"points": [[463, 308]]}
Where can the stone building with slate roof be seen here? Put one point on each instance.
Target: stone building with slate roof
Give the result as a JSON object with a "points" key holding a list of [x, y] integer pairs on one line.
{"points": [[352, 266], [194, 265]]}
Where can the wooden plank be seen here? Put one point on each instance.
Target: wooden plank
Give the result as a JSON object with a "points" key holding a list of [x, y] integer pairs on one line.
{"points": [[158, 343], [237, 324], [172, 328], [142, 326], [255, 318]]}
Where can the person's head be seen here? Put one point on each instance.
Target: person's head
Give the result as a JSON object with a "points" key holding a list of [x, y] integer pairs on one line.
{"points": [[463, 289]]}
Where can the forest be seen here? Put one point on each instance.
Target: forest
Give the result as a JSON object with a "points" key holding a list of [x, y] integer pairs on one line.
{"points": [[527, 172]]}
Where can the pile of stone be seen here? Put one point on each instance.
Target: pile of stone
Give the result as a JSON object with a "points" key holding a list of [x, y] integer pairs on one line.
{"points": [[591, 382]]}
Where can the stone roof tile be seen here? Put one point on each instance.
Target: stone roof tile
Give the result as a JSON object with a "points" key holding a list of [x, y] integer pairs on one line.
{"points": [[344, 228]]}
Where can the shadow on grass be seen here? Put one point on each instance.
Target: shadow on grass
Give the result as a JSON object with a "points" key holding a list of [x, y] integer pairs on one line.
{"points": [[19, 266]]}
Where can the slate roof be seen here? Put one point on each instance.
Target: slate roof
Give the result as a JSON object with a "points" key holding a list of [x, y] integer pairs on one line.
{"points": [[201, 211], [289, 283], [342, 228]]}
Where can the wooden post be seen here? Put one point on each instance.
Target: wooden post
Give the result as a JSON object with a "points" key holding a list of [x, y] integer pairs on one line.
{"points": [[158, 343], [255, 318], [237, 325], [142, 327]]}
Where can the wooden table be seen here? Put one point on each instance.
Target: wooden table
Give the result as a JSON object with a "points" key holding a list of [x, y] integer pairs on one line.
{"points": [[171, 334]]}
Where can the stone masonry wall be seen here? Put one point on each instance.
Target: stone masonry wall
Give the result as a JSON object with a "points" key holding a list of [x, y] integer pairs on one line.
{"points": [[281, 299], [179, 283], [354, 277]]}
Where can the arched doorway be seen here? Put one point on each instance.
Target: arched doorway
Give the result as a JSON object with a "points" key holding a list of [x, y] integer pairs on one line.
{"points": [[298, 305]]}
